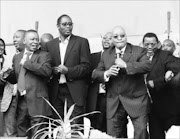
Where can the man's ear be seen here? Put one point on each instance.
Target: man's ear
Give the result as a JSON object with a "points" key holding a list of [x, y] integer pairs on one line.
{"points": [[24, 41], [159, 45], [57, 26]]}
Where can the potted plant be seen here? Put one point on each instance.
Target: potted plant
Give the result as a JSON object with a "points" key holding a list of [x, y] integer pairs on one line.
{"points": [[63, 128]]}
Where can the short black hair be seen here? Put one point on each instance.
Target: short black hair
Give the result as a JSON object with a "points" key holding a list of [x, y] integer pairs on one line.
{"points": [[150, 35], [3, 45], [31, 30], [64, 15], [22, 31]]}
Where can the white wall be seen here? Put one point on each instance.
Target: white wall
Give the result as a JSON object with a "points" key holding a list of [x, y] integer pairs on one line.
{"points": [[91, 18]]}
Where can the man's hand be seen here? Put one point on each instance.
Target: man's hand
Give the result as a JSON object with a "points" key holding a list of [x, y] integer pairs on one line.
{"points": [[168, 76], [113, 70], [151, 83], [60, 69], [120, 63]]}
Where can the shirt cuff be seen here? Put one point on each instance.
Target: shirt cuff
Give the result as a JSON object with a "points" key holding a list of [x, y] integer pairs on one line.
{"points": [[106, 78]]}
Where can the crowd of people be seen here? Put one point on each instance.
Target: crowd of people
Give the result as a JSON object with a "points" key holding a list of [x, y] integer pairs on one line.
{"points": [[120, 81]]}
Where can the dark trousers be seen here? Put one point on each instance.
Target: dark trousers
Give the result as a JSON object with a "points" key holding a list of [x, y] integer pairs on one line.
{"points": [[156, 126], [63, 95], [98, 120], [25, 121], [117, 125], [10, 125], [1, 119]]}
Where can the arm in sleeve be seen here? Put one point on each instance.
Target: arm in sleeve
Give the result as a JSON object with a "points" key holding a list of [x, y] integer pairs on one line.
{"points": [[40, 67], [83, 68], [141, 66]]}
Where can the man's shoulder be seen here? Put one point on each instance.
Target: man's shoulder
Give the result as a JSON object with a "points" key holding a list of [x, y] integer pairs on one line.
{"points": [[79, 37], [42, 53], [53, 40]]}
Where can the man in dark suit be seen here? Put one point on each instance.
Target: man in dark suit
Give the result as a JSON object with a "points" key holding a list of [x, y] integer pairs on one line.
{"points": [[96, 98], [162, 98], [10, 96], [71, 63], [31, 69], [126, 90]]}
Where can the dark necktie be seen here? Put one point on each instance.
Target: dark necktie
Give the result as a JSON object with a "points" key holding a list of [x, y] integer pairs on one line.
{"points": [[119, 54], [21, 78]]}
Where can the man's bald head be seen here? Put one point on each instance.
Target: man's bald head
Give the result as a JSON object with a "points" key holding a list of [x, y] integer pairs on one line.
{"points": [[119, 37], [168, 45], [46, 37]]}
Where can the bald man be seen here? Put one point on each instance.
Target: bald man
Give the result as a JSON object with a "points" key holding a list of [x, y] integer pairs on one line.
{"points": [[96, 99], [168, 45], [126, 90], [46, 37]]}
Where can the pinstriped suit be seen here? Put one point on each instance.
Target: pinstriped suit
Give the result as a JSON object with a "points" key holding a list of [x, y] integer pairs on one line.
{"points": [[128, 87]]}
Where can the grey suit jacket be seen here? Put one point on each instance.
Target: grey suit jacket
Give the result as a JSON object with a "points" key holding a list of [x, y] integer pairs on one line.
{"points": [[128, 87], [38, 71]]}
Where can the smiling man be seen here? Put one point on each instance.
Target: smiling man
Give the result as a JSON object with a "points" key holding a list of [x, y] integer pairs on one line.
{"points": [[126, 90], [32, 68]]}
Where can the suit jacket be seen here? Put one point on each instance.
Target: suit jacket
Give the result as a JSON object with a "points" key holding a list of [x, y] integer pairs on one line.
{"points": [[164, 95], [128, 87], [38, 71], [93, 89], [7, 96], [77, 60]]}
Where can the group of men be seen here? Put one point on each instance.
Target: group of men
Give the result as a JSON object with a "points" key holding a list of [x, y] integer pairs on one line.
{"points": [[122, 80]]}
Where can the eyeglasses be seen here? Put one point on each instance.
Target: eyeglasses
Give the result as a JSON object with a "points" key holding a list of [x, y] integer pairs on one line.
{"points": [[67, 24], [117, 36], [152, 44]]}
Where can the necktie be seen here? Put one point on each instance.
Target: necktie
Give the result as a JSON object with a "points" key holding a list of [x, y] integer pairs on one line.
{"points": [[150, 55], [21, 78], [119, 54]]}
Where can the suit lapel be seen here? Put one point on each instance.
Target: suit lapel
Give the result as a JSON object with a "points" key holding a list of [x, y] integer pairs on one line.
{"points": [[69, 47], [111, 57], [34, 56], [155, 58], [57, 50], [127, 53]]}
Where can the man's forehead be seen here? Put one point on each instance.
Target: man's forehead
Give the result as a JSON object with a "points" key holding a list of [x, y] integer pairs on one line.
{"points": [[66, 18], [118, 30], [109, 34], [168, 42], [149, 39]]}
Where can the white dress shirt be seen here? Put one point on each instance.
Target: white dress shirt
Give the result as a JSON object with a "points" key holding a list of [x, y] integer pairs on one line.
{"points": [[62, 47]]}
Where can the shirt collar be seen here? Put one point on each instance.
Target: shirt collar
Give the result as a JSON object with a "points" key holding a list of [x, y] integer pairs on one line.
{"points": [[122, 50], [25, 51], [66, 40]]}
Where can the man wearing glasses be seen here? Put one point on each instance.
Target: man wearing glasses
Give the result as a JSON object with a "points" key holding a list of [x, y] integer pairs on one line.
{"points": [[71, 65], [122, 68], [162, 106]]}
